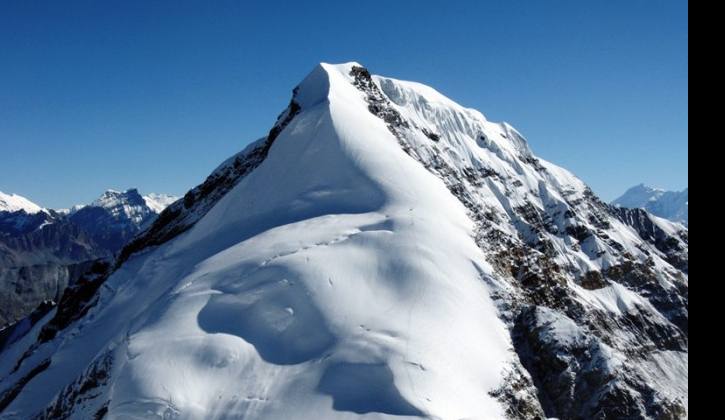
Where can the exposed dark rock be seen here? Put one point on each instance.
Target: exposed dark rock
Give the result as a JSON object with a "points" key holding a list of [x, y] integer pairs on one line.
{"points": [[563, 372], [12, 333], [76, 300], [574, 376], [672, 303], [17, 223], [593, 280], [578, 232], [675, 248], [101, 413], [431, 135], [378, 103], [569, 379], [83, 390], [520, 403], [9, 395], [27, 287]]}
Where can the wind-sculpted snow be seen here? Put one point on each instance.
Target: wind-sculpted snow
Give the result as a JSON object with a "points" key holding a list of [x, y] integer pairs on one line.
{"points": [[271, 310], [382, 253], [364, 388]]}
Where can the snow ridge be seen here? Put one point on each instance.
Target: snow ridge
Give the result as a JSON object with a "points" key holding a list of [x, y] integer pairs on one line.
{"points": [[14, 202], [382, 253]]}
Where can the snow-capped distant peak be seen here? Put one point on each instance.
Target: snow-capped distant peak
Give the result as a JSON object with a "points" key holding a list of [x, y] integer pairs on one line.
{"points": [[112, 198], [69, 211], [127, 204], [638, 196], [158, 202], [672, 205], [14, 202]]}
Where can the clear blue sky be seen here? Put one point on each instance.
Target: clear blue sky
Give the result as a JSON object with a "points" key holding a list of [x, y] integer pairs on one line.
{"points": [[151, 94]]}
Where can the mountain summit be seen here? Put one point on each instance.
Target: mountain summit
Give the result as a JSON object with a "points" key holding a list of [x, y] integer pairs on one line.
{"points": [[116, 216], [382, 252], [672, 205], [14, 202]]}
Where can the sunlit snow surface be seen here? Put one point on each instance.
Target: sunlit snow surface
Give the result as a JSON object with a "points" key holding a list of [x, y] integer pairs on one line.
{"points": [[339, 279], [14, 202], [158, 202]]}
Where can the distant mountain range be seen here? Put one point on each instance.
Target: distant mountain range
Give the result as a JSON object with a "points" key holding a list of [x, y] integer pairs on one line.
{"points": [[42, 251], [672, 205]]}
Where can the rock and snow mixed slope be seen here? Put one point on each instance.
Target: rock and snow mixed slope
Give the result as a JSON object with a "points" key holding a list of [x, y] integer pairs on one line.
{"points": [[40, 253], [19, 215], [672, 205], [382, 252]]}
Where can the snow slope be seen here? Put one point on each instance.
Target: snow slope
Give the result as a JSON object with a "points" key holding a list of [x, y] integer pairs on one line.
{"points": [[14, 202], [672, 205], [379, 255]]}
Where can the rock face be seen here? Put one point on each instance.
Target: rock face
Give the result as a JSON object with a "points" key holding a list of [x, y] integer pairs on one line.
{"points": [[39, 261], [671, 240], [671, 205], [559, 216], [382, 252]]}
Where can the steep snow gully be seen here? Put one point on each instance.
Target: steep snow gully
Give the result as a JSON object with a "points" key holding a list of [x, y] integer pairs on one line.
{"points": [[382, 252]]}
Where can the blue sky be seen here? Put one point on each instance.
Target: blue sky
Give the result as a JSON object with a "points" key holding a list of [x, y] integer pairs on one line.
{"points": [[150, 94]]}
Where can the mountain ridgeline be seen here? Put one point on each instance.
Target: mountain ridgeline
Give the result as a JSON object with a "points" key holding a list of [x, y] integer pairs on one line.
{"points": [[43, 251], [382, 252], [671, 205]]}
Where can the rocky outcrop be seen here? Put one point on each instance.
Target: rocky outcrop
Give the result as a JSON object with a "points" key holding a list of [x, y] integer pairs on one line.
{"points": [[38, 265], [674, 246], [569, 347]]}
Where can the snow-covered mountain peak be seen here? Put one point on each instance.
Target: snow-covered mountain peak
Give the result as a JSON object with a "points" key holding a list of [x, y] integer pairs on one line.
{"points": [[421, 106], [382, 252], [639, 194], [671, 205], [315, 87], [14, 202], [158, 202], [112, 198]]}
